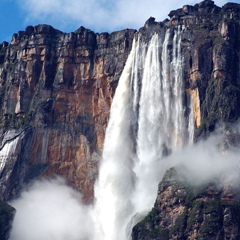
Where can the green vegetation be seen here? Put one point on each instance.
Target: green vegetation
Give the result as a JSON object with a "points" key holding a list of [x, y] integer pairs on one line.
{"points": [[203, 216], [178, 228], [152, 218], [212, 223]]}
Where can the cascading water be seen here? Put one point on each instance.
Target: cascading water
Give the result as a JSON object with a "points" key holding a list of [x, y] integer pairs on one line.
{"points": [[116, 177], [147, 122]]}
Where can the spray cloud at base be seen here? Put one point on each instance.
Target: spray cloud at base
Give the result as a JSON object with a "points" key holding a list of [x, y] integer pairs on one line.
{"points": [[52, 210], [140, 138]]}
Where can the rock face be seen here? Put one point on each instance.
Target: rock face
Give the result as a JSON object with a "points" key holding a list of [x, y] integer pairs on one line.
{"points": [[211, 52], [212, 63], [56, 91], [181, 211], [6, 217]]}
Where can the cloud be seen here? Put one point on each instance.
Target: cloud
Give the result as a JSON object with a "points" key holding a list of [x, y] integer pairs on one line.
{"points": [[205, 161], [51, 210], [99, 15]]}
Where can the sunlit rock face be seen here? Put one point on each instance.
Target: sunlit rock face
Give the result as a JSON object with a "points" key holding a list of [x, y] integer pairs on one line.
{"points": [[56, 90]]}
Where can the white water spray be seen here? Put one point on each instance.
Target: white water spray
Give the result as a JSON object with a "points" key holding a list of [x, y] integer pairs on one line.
{"points": [[146, 123], [116, 178]]}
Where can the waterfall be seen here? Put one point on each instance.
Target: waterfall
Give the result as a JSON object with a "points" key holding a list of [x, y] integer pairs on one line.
{"points": [[116, 177], [147, 122]]}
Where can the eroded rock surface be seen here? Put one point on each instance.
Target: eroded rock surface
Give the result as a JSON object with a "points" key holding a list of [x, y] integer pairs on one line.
{"points": [[182, 211], [57, 89]]}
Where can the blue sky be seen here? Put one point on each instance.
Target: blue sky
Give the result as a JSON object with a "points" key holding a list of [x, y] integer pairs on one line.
{"points": [[97, 15]]}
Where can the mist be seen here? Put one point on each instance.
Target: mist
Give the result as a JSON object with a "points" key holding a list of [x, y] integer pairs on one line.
{"points": [[50, 209], [206, 161]]}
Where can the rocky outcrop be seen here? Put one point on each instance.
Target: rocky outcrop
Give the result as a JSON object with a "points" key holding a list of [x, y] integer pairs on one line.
{"points": [[182, 211], [56, 92], [6, 217]]}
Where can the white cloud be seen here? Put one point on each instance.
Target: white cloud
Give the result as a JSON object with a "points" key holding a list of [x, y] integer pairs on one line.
{"points": [[51, 210], [205, 161], [100, 15]]}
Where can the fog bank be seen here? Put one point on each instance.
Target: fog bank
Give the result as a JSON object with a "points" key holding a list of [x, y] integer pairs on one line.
{"points": [[51, 210]]}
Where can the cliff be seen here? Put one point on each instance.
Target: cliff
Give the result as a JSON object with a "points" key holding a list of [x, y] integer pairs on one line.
{"points": [[182, 211], [56, 91], [212, 64]]}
